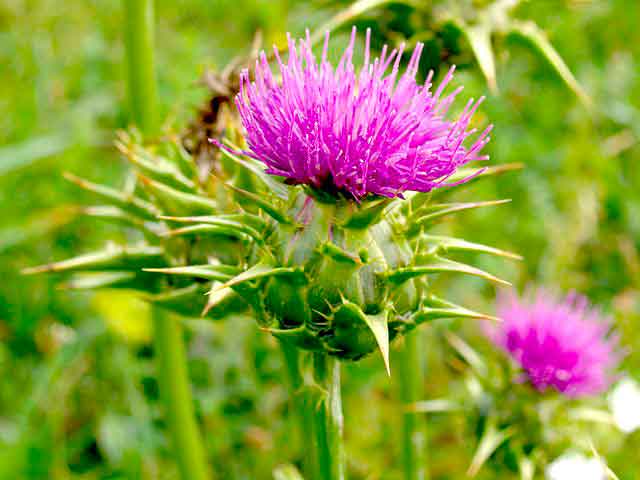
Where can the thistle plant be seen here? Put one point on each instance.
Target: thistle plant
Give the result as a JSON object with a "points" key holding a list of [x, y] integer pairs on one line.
{"points": [[318, 225], [562, 353], [339, 255]]}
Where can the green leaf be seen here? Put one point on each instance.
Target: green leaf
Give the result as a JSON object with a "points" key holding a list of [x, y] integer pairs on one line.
{"points": [[155, 166], [211, 230], [429, 213], [440, 265], [269, 208], [114, 257], [491, 439], [472, 357], [36, 226], [246, 223], [90, 281], [220, 273], [117, 215], [127, 202], [23, 154], [450, 244], [532, 33], [463, 173], [258, 272], [479, 37], [176, 202], [435, 308], [348, 314], [257, 168], [380, 328], [368, 214], [338, 254]]}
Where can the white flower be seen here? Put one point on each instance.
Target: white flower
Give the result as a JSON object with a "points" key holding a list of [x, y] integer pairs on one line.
{"points": [[624, 402], [574, 466]]}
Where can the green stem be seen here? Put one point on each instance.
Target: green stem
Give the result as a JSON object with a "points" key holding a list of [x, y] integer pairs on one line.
{"points": [[140, 64], [410, 378], [170, 352], [302, 406], [328, 420], [176, 393]]}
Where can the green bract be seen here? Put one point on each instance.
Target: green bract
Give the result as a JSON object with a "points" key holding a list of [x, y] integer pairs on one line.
{"points": [[321, 272], [329, 274]]}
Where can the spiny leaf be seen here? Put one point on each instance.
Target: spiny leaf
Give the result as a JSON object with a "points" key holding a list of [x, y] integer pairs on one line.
{"points": [[430, 213], [123, 200], [23, 154], [349, 312], [269, 208], [435, 308], [156, 167], [479, 37], [368, 214], [449, 244], [474, 360], [338, 254], [247, 223], [260, 271], [35, 226], [463, 173], [257, 169], [116, 214], [535, 36], [491, 439], [379, 326], [90, 281], [440, 265], [175, 202], [212, 230], [112, 258], [220, 273]]}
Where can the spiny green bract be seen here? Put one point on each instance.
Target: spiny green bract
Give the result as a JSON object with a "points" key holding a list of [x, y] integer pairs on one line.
{"points": [[330, 274], [322, 272]]}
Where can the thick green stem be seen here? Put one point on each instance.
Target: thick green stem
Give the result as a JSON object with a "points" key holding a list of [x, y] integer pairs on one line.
{"points": [[140, 64], [410, 378], [302, 406], [173, 379], [170, 352], [328, 420]]}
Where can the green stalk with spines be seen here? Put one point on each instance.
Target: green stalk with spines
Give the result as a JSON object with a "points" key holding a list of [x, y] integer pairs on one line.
{"points": [[328, 422], [169, 346], [410, 378]]}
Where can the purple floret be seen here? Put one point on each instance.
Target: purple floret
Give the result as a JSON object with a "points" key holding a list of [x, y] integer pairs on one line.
{"points": [[565, 343], [373, 132]]}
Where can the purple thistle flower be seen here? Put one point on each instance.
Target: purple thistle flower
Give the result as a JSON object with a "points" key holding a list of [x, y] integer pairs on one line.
{"points": [[561, 343], [354, 133]]}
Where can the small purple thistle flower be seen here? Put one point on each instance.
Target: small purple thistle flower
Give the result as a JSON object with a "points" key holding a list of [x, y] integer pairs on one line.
{"points": [[561, 343], [355, 134]]}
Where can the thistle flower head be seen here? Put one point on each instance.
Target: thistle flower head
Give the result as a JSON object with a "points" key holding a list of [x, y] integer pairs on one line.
{"points": [[560, 343], [373, 132]]}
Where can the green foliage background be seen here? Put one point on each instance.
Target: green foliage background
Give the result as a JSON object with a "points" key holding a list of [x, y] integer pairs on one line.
{"points": [[78, 397]]}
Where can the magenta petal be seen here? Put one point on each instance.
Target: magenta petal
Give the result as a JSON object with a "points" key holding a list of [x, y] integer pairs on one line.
{"points": [[359, 133]]}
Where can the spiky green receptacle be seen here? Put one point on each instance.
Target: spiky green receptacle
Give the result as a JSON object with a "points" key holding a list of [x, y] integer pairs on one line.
{"points": [[328, 274]]}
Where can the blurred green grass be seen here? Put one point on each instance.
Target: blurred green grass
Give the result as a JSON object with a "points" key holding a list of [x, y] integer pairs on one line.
{"points": [[76, 401]]}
